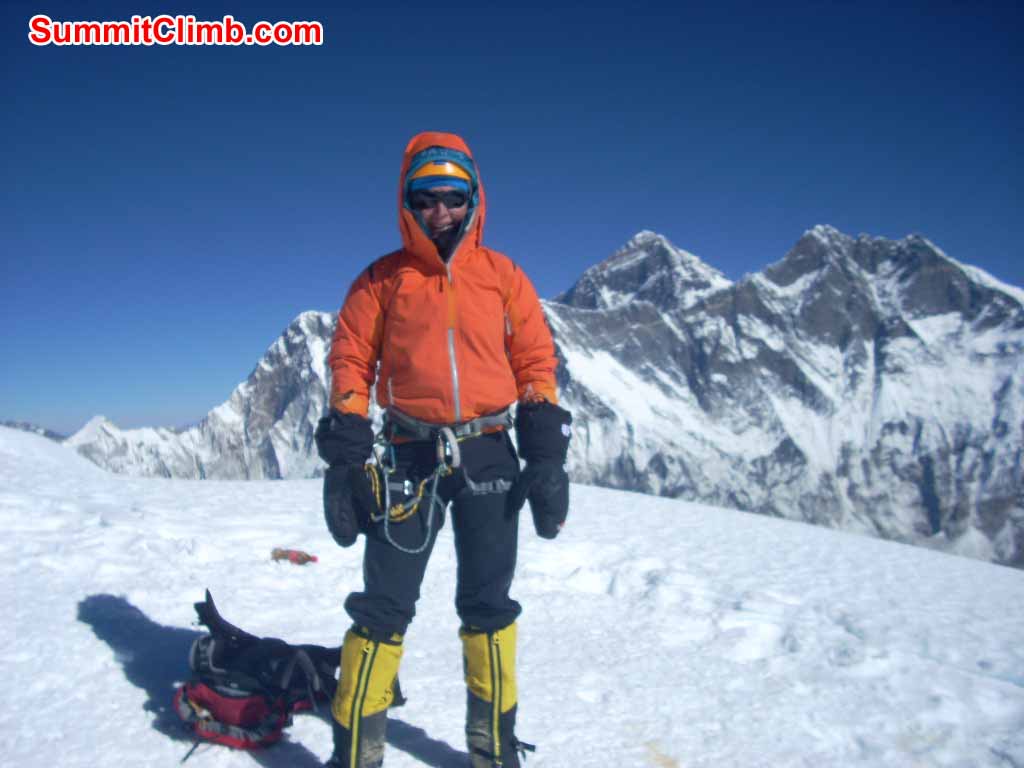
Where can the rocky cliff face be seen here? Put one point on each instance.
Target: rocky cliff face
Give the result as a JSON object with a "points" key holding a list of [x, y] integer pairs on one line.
{"points": [[264, 430], [864, 384], [648, 268], [859, 383]]}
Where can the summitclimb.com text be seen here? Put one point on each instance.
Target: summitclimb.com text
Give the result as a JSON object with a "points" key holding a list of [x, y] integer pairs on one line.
{"points": [[173, 30]]}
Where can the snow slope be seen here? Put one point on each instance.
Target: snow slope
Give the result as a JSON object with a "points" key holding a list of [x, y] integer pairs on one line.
{"points": [[655, 632]]}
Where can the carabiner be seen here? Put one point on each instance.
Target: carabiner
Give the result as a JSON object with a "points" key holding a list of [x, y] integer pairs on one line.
{"points": [[448, 448]]}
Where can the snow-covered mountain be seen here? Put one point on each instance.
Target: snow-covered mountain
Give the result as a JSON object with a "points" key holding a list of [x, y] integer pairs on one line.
{"points": [[859, 383], [264, 430], [647, 268], [766, 644], [863, 384], [35, 429]]}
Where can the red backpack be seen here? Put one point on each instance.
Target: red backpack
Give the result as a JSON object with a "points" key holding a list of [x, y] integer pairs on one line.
{"points": [[243, 689]]}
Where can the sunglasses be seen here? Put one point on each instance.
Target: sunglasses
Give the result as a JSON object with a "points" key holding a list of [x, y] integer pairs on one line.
{"points": [[422, 200]]}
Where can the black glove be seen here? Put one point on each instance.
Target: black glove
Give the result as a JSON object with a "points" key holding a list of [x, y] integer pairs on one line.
{"points": [[547, 488], [542, 431], [344, 441], [348, 499]]}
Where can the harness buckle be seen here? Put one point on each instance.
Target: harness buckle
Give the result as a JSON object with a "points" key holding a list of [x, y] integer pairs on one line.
{"points": [[397, 423], [448, 452]]}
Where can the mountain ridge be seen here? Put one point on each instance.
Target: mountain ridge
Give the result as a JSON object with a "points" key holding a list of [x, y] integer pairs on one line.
{"points": [[860, 383]]}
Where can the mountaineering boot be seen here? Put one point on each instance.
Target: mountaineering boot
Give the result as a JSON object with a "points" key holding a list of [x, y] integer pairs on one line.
{"points": [[489, 660], [373, 730], [366, 688]]}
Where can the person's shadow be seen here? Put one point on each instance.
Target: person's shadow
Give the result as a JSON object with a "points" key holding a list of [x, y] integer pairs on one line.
{"points": [[155, 659]]}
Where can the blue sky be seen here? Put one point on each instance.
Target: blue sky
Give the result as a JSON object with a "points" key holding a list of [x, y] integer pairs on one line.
{"points": [[168, 210]]}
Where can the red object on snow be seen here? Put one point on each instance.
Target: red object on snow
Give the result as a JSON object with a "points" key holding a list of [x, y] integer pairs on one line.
{"points": [[296, 556]]}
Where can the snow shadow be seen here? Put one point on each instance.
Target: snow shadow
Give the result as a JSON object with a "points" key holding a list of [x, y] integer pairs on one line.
{"points": [[154, 658], [415, 741]]}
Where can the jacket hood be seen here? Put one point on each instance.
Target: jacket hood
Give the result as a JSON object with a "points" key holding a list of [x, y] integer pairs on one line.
{"points": [[414, 239]]}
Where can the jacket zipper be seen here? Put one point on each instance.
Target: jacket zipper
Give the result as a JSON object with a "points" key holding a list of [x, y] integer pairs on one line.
{"points": [[451, 343]]}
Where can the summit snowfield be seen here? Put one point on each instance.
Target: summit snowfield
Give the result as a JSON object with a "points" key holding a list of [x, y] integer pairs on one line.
{"points": [[655, 632], [863, 384]]}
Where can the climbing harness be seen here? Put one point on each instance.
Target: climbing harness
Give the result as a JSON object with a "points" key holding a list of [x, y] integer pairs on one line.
{"points": [[386, 477], [383, 485], [415, 429]]}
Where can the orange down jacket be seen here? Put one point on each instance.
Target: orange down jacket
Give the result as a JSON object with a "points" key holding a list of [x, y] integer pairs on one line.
{"points": [[453, 341]]}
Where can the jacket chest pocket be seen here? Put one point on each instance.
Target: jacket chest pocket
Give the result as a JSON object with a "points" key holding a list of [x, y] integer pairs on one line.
{"points": [[481, 318], [414, 329]]}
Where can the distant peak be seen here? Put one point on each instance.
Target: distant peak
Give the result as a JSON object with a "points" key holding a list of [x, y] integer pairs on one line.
{"points": [[827, 235], [312, 316], [310, 322], [651, 245], [97, 421], [823, 230], [35, 429], [819, 247], [824, 250], [94, 427], [644, 236], [647, 268]]}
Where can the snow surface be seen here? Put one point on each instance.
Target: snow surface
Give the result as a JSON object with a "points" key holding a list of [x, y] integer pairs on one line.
{"points": [[655, 632]]}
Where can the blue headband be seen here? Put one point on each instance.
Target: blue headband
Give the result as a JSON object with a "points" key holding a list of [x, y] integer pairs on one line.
{"points": [[429, 182]]}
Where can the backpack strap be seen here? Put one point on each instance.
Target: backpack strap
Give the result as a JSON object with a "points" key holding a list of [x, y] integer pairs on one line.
{"points": [[210, 664], [300, 659]]}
